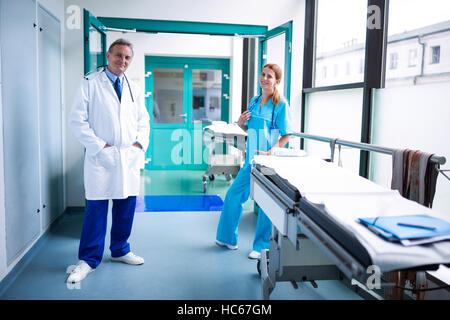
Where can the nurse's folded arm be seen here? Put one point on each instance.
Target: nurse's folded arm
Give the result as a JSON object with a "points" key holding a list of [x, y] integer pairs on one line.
{"points": [[243, 118]]}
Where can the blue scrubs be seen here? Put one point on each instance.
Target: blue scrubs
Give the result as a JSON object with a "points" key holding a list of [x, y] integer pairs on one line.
{"points": [[260, 137], [92, 240]]}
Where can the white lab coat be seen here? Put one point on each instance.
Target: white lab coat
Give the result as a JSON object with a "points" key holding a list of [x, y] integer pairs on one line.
{"points": [[98, 118]]}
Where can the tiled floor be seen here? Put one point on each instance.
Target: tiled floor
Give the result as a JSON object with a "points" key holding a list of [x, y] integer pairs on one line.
{"points": [[181, 259]]}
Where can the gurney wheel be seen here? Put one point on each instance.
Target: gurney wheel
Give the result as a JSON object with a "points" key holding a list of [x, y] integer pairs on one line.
{"points": [[228, 177], [211, 177]]}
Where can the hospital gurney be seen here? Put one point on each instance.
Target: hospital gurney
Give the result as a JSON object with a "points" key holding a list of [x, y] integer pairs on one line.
{"points": [[225, 163], [316, 235]]}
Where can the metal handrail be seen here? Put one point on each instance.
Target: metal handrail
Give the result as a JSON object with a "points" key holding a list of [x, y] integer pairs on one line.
{"points": [[360, 145]]}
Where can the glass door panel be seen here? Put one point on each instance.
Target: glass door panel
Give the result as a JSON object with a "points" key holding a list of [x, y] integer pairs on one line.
{"points": [[96, 49], [206, 95], [276, 54], [275, 47], [168, 91], [94, 36]]}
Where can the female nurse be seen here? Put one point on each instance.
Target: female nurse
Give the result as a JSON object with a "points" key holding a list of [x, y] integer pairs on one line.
{"points": [[267, 121]]}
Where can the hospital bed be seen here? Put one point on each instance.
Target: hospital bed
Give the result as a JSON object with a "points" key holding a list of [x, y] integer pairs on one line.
{"points": [[314, 206], [226, 163]]}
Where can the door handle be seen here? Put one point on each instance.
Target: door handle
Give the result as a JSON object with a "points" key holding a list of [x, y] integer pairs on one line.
{"points": [[184, 117]]}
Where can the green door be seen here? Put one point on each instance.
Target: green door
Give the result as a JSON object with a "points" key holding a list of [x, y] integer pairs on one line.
{"points": [[94, 43], [183, 95]]}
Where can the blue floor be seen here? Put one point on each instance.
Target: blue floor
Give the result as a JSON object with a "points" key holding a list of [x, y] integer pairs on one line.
{"points": [[181, 262]]}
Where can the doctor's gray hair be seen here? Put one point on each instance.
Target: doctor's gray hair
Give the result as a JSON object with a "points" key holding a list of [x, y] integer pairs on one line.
{"points": [[121, 42]]}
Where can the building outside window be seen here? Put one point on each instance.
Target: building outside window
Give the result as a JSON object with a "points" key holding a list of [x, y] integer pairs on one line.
{"points": [[340, 37], [412, 32], [417, 31]]}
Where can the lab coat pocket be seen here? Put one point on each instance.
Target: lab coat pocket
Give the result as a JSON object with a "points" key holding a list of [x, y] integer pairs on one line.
{"points": [[108, 157], [135, 158]]}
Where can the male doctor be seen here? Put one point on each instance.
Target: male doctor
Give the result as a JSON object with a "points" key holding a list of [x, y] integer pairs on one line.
{"points": [[109, 118]]}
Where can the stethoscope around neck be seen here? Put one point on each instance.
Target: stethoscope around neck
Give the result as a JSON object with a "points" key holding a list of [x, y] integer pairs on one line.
{"points": [[272, 127], [104, 68]]}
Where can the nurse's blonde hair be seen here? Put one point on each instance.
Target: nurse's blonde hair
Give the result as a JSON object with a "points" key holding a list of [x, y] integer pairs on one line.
{"points": [[278, 74]]}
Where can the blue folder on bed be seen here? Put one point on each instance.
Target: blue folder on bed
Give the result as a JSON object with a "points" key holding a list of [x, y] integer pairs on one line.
{"points": [[408, 227]]}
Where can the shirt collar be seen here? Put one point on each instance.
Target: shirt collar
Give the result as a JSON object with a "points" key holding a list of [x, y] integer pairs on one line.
{"points": [[113, 77]]}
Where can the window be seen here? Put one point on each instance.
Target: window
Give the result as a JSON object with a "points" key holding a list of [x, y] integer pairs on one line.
{"points": [[435, 54], [324, 72], [340, 37], [415, 30], [412, 61], [394, 61]]}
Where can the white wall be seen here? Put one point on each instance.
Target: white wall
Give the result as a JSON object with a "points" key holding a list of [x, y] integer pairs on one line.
{"points": [[186, 45], [257, 12], [413, 117]]}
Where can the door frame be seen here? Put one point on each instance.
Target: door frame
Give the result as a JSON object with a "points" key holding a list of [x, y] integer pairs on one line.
{"points": [[285, 28]]}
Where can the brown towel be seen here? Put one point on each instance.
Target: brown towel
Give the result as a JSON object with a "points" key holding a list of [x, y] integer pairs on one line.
{"points": [[414, 175]]}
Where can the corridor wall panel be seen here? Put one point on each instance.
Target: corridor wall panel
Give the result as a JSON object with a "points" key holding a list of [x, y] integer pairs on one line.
{"points": [[20, 124]]}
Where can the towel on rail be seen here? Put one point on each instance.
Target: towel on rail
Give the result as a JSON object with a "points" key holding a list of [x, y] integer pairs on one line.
{"points": [[414, 175]]}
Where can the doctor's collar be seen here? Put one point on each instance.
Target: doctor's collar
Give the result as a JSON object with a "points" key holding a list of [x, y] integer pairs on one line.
{"points": [[112, 76], [105, 69]]}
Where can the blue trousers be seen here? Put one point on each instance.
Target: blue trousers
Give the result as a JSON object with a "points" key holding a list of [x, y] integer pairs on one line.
{"points": [[237, 195], [92, 240]]}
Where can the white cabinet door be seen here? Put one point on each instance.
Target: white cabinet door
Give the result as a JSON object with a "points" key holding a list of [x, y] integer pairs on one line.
{"points": [[20, 124], [50, 120]]}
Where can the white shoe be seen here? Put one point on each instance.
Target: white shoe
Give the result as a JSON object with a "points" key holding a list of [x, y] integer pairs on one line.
{"points": [[81, 270], [229, 246], [129, 258], [254, 255]]}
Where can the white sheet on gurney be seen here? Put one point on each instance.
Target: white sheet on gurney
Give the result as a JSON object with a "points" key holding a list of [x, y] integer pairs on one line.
{"points": [[348, 197], [221, 127]]}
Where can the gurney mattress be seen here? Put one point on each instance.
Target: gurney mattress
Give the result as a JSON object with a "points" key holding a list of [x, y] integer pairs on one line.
{"points": [[337, 198]]}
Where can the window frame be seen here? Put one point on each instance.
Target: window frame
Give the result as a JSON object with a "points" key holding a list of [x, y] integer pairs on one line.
{"points": [[433, 54], [374, 70], [412, 58], [391, 60]]}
